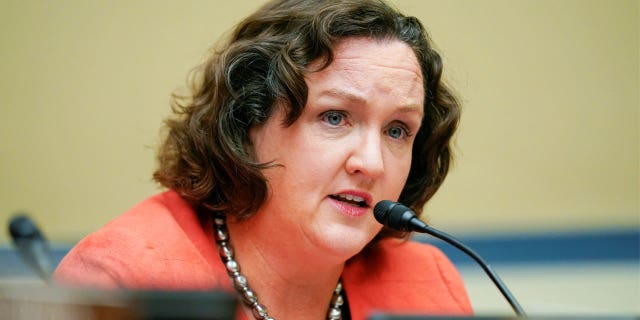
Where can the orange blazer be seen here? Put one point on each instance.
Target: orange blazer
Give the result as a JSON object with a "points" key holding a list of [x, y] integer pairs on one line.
{"points": [[161, 244]]}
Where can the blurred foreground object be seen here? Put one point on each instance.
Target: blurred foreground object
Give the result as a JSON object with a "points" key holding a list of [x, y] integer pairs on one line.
{"points": [[31, 245], [37, 302]]}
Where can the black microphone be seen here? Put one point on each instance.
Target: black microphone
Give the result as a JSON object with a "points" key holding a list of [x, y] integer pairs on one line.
{"points": [[32, 245], [399, 217]]}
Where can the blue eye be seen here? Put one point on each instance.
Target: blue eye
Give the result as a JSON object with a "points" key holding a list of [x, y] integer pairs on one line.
{"points": [[397, 132], [334, 118]]}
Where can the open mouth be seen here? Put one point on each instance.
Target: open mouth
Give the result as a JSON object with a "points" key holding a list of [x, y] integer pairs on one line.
{"points": [[350, 199]]}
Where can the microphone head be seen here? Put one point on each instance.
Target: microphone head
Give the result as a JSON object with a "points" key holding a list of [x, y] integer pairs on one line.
{"points": [[21, 227], [382, 209], [31, 245], [395, 215]]}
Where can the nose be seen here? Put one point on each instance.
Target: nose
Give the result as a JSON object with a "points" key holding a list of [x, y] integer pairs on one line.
{"points": [[366, 157]]}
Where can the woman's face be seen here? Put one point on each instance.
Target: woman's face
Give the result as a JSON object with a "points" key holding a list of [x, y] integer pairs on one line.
{"points": [[350, 148]]}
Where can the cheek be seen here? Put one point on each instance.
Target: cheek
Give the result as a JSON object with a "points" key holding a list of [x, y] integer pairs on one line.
{"points": [[300, 163], [407, 168], [314, 161], [398, 173]]}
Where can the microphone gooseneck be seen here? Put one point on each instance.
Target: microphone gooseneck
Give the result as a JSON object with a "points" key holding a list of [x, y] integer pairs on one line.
{"points": [[399, 217], [32, 245]]}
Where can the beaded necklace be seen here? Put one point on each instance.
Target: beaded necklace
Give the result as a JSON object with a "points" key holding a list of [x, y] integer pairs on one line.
{"points": [[241, 284]]}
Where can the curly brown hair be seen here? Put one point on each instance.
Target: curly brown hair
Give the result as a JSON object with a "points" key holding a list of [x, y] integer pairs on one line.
{"points": [[207, 155]]}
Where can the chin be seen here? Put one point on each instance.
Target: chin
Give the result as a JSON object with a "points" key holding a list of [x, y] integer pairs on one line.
{"points": [[344, 242]]}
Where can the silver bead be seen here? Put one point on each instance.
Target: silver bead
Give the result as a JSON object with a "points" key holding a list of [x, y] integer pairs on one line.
{"points": [[221, 234], [225, 252], [338, 287], [232, 266], [219, 220], [259, 311], [334, 314], [248, 296], [337, 301], [240, 281]]}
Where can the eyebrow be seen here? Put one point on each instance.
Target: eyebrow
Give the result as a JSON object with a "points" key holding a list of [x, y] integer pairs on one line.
{"points": [[335, 92], [338, 93]]}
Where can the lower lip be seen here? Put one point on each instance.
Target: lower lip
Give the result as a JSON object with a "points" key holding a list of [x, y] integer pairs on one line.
{"points": [[348, 209]]}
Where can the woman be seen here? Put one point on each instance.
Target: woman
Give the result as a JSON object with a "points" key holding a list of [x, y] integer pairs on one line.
{"points": [[309, 115]]}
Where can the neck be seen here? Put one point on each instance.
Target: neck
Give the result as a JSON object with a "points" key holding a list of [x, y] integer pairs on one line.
{"points": [[284, 271]]}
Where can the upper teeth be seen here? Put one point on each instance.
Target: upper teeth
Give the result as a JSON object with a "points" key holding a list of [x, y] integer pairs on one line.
{"points": [[351, 197]]}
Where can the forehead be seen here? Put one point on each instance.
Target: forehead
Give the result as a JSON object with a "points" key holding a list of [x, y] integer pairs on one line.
{"points": [[383, 53], [371, 69]]}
